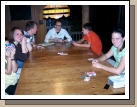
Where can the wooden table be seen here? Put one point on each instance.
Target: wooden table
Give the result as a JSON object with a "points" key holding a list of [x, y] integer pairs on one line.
{"points": [[47, 73]]}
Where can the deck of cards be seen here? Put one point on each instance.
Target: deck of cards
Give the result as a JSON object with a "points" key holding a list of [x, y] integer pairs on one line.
{"points": [[86, 78], [91, 74], [62, 53]]}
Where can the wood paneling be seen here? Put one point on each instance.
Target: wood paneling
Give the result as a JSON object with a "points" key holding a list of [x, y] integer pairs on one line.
{"points": [[40, 36], [85, 14], [36, 12]]}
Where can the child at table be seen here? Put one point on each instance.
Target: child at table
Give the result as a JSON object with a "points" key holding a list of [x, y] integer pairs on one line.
{"points": [[92, 38], [117, 50], [10, 69]]}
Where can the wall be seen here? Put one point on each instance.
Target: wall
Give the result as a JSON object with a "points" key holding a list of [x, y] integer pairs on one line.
{"points": [[36, 16]]}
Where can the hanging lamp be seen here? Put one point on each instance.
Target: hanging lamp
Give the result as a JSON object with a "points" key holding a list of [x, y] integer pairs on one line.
{"points": [[56, 11]]}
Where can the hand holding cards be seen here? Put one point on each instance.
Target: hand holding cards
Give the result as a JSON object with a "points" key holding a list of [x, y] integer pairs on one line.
{"points": [[9, 46]]}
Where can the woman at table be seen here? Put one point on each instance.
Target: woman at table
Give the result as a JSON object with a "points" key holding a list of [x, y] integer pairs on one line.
{"points": [[10, 69], [117, 50], [16, 37]]}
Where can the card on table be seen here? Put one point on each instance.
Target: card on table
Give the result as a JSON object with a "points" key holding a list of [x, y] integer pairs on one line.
{"points": [[91, 74], [90, 53], [62, 53], [46, 44], [86, 78], [90, 59]]}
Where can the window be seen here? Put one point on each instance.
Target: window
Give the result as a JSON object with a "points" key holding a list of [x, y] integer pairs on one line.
{"points": [[20, 12]]}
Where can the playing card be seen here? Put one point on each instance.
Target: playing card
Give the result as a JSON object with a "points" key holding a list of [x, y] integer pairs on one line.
{"points": [[63, 54], [86, 78], [90, 53], [90, 59]]}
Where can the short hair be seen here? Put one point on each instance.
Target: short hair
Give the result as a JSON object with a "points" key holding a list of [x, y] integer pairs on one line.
{"points": [[30, 25], [11, 37], [87, 26], [57, 20]]}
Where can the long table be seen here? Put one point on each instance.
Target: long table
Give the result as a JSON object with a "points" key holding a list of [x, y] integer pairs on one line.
{"points": [[48, 73]]}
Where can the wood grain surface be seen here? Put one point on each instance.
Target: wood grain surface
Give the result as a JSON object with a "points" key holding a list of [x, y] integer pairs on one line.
{"points": [[48, 73]]}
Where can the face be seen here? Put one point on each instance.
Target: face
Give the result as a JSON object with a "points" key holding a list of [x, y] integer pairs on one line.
{"points": [[117, 40], [85, 31], [34, 30], [17, 35], [58, 26]]}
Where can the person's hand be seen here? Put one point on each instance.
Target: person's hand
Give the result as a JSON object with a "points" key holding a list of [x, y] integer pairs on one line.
{"points": [[12, 51], [97, 65], [59, 40], [24, 40], [7, 53], [40, 47], [55, 39], [65, 40], [95, 61]]}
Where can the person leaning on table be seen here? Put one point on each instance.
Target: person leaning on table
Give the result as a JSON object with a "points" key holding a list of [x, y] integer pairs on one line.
{"points": [[117, 50], [57, 34], [31, 28], [94, 42]]}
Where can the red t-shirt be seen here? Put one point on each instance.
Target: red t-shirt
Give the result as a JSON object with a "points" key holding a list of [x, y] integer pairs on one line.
{"points": [[96, 44]]}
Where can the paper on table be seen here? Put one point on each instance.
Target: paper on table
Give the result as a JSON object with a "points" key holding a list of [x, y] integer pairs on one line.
{"points": [[46, 44]]}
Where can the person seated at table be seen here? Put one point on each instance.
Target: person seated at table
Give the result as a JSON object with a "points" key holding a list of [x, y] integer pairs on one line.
{"points": [[16, 37], [91, 37], [10, 69], [117, 50], [30, 31], [57, 34]]}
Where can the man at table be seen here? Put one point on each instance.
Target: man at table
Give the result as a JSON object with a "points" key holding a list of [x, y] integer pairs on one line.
{"points": [[57, 34], [92, 38], [30, 30]]}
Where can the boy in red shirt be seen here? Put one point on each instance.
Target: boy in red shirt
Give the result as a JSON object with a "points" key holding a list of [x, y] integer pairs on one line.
{"points": [[92, 38]]}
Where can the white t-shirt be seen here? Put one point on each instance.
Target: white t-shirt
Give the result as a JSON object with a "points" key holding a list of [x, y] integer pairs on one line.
{"points": [[52, 34]]}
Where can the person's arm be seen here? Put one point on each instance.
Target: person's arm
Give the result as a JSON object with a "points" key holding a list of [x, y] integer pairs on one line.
{"points": [[67, 36], [24, 45], [29, 47], [116, 70], [8, 70], [13, 61], [106, 56], [78, 43], [48, 36], [103, 57], [84, 45], [19, 55]]}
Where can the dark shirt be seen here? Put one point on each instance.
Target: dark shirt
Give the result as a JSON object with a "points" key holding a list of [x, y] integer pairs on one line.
{"points": [[19, 55]]}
